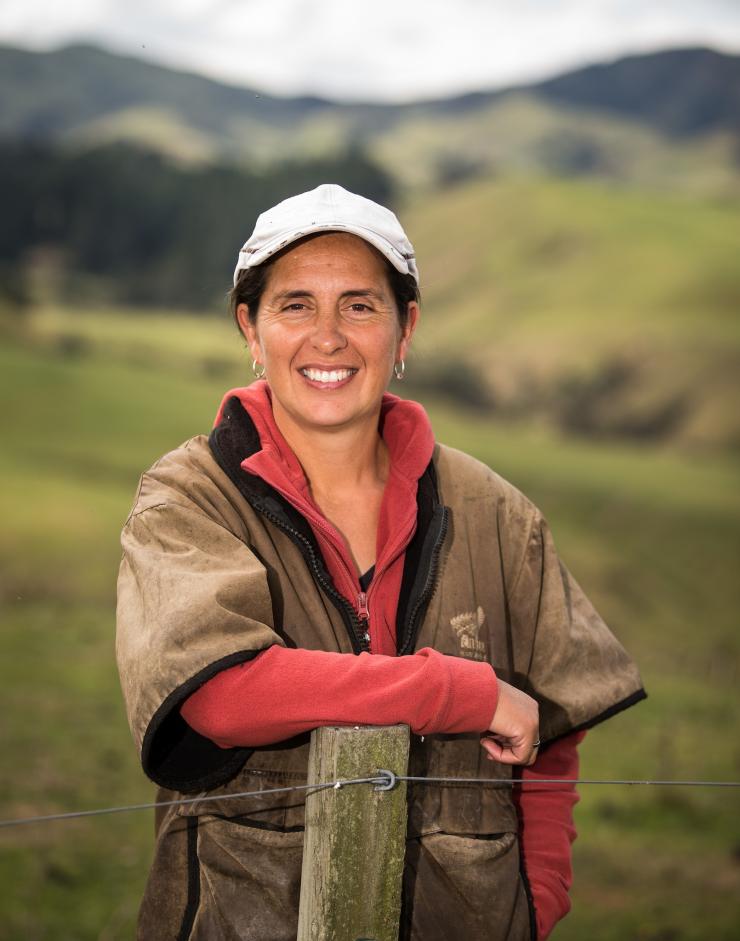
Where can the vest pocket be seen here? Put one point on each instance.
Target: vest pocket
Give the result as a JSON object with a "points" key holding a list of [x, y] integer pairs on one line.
{"points": [[464, 887], [458, 808], [249, 880]]}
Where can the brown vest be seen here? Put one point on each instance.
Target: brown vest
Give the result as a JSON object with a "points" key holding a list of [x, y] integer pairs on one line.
{"points": [[217, 567]]}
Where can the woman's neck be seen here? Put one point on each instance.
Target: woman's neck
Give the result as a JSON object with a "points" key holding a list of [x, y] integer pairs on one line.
{"points": [[337, 460]]}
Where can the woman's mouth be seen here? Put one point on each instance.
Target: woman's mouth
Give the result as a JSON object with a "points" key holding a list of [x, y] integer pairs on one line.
{"points": [[323, 376]]}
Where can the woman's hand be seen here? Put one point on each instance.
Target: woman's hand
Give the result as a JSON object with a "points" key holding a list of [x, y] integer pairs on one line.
{"points": [[513, 735]]}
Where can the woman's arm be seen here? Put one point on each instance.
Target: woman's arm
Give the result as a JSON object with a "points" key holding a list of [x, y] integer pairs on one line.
{"points": [[286, 691]]}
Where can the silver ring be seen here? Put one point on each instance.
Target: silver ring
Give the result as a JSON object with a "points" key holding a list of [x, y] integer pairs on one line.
{"points": [[536, 744]]}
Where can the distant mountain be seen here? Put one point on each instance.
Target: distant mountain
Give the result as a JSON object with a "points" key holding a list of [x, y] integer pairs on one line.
{"points": [[58, 94], [681, 91], [621, 119]]}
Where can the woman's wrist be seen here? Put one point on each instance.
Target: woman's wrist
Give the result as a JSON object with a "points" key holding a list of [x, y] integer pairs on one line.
{"points": [[473, 697]]}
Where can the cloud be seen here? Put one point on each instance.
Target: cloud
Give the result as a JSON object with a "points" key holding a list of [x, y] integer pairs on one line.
{"points": [[382, 49]]}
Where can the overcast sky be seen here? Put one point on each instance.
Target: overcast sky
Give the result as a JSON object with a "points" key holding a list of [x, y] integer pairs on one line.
{"points": [[384, 49]]}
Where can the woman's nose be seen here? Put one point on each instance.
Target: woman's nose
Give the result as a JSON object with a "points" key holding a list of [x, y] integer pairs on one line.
{"points": [[328, 336]]}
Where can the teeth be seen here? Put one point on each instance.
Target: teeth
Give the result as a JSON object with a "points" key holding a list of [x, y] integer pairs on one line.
{"points": [[323, 375]]}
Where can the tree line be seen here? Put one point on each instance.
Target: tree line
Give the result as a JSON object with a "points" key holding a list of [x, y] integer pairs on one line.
{"points": [[145, 230]]}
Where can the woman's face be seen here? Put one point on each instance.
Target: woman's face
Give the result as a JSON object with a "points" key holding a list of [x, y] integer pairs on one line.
{"points": [[327, 332]]}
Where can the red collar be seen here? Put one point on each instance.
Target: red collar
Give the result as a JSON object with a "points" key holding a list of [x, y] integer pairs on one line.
{"points": [[407, 432], [404, 425]]}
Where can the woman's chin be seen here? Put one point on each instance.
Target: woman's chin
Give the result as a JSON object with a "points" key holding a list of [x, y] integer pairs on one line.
{"points": [[336, 414]]}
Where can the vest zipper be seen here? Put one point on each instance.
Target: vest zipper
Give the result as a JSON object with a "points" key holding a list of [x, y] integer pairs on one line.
{"points": [[363, 613], [429, 586], [356, 626]]}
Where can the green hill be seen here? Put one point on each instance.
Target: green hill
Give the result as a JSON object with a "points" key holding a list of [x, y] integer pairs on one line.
{"points": [[659, 118], [596, 308], [522, 132], [683, 91]]}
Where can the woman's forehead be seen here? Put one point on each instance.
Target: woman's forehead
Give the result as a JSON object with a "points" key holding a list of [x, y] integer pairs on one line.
{"points": [[330, 256]]}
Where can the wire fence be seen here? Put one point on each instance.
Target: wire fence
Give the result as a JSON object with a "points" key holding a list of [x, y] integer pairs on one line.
{"points": [[384, 780]]}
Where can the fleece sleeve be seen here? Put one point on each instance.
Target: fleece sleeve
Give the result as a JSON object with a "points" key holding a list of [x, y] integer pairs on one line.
{"points": [[546, 829], [285, 691]]}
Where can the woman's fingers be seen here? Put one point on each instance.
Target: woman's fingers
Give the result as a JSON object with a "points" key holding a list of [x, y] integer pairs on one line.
{"points": [[514, 731], [507, 753]]}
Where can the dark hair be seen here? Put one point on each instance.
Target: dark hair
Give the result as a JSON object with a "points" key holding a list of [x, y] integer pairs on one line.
{"points": [[251, 283]]}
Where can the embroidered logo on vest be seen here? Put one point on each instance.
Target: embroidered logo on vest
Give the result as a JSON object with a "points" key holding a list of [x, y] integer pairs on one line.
{"points": [[467, 626]]}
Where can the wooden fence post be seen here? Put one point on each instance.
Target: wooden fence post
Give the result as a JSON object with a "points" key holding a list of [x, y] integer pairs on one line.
{"points": [[355, 840]]}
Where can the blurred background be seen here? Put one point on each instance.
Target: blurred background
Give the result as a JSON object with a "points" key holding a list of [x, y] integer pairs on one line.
{"points": [[569, 173]]}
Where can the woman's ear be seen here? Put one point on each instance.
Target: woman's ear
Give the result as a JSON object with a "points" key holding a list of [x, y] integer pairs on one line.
{"points": [[412, 318], [249, 331]]}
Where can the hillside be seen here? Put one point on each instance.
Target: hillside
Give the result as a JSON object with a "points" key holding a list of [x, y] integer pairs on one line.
{"points": [[617, 119], [583, 305], [130, 226], [587, 309], [682, 91], [85, 94], [577, 237]]}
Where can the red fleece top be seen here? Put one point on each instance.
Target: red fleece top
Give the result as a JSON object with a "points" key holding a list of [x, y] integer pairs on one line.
{"points": [[274, 696]]}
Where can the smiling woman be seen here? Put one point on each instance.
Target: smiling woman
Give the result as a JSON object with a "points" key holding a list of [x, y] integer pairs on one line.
{"points": [[320, 560], [328, 322]]}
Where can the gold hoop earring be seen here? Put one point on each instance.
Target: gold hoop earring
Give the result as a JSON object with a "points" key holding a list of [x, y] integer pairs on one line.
{"points": [[399, 369], [258, 369]]}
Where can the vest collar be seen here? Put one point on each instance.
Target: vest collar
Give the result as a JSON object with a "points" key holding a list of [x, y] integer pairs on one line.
{"points": [[236, 437]]}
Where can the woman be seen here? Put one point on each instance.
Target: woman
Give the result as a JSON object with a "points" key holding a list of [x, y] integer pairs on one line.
{"points": [[320, 560]]}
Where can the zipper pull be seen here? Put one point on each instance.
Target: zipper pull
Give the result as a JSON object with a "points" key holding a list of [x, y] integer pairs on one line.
{"points": [[363, 613]]}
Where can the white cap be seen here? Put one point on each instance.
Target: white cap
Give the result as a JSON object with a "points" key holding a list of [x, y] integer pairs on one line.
{"points": [[328, 208]]}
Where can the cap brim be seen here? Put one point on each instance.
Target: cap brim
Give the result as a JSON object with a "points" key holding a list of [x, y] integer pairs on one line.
{"points": [[251, 258]]}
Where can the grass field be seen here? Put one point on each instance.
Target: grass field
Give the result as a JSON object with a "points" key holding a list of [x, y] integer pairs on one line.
{"points": [[651, 534]]}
